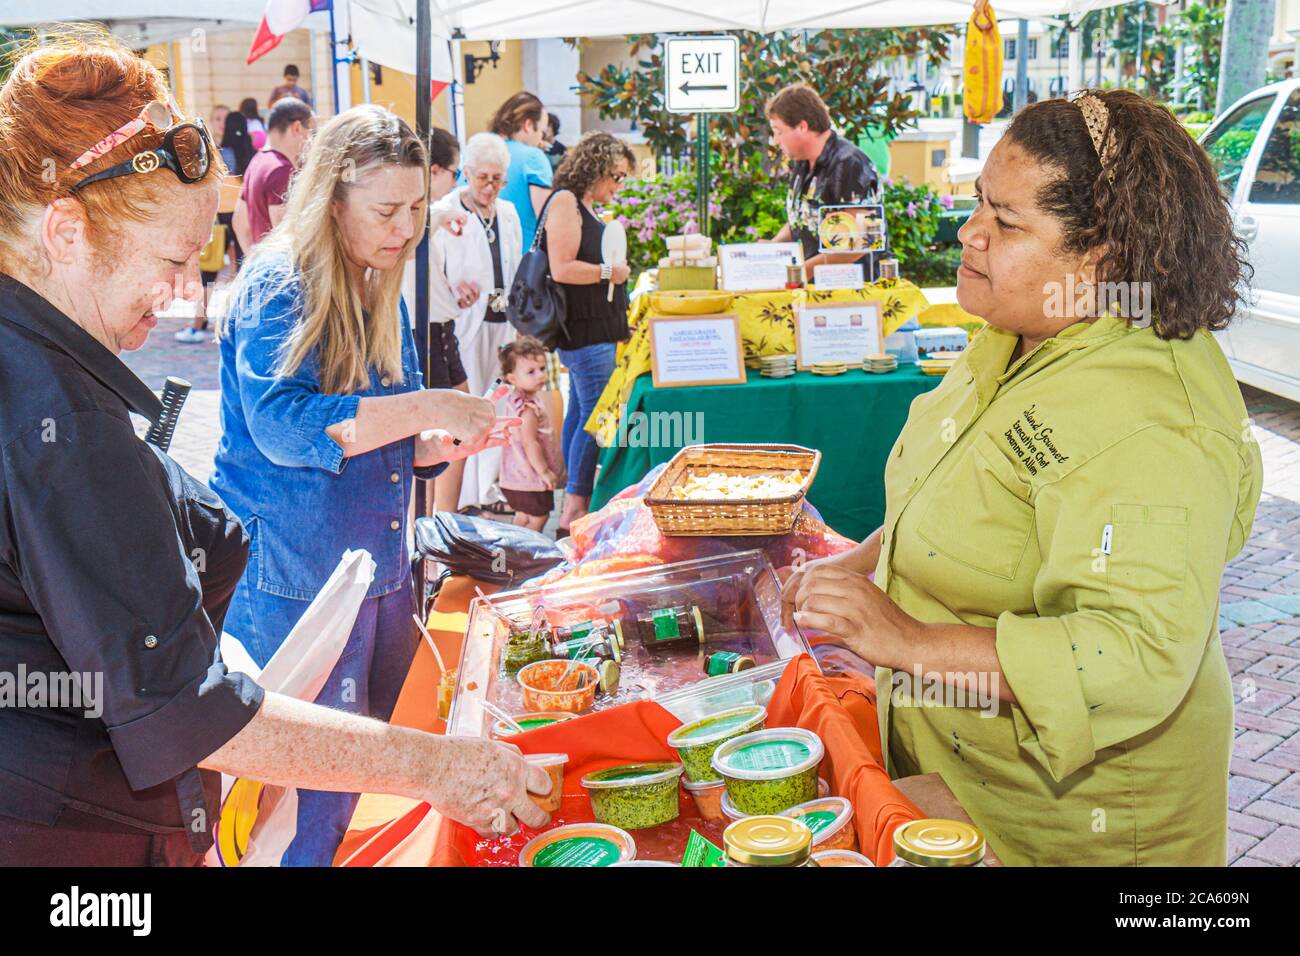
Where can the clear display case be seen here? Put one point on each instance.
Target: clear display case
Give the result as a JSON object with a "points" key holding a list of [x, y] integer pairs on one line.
{"points": [[697, 637]]}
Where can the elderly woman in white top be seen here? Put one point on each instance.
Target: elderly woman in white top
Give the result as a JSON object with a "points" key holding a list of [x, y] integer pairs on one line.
{"points": [[481, 264]]}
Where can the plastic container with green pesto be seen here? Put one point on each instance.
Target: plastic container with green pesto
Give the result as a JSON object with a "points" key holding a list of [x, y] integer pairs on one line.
{"points": [[635, 796], [696, 742], [769, 771], [831, 821]]}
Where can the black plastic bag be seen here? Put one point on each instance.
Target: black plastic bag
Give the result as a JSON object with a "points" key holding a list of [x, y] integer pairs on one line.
{"points": [[488, 550]]}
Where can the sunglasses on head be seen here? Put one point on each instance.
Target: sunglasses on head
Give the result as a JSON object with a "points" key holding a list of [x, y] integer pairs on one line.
{"points": [[186, 149]]}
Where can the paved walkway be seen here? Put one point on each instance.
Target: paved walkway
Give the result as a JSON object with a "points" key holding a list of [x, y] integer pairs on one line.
{"points": [[1260, 611]]}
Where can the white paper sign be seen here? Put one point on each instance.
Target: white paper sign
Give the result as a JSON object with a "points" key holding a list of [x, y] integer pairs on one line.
{"points": [[702, 74], [696, 350], [845, 276], [843, 332], [757, 266]]}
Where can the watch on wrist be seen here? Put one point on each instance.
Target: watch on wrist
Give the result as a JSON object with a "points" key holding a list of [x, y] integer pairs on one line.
{"points": [[606, 270]]}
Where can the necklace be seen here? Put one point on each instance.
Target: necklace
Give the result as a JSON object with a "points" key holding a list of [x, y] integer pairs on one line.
{"points": [[487, 224]]}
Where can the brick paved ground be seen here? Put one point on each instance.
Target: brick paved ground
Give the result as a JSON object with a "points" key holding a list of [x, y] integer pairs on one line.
{"points": [[1260, 612]]}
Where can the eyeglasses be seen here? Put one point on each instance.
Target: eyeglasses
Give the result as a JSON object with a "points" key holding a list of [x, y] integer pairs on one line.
{"points": [[482, 180], [186, 149]]}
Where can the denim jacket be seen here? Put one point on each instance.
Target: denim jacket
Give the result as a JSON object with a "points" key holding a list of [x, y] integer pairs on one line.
{"points": [[302, 502]]}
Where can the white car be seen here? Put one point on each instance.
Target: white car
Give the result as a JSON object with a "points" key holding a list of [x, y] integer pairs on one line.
{"points": [[1255, 147]]}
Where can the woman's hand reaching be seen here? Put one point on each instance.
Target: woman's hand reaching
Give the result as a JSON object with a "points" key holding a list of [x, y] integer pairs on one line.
{"points": [[485, 784]]}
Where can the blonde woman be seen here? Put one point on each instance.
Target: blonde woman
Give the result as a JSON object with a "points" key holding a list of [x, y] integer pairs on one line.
{"points": [[480, 265], [322, 409]]}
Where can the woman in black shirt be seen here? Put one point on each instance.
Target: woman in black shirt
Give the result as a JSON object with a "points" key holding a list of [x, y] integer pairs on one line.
{"points": [[591, 173], [102, 597]]}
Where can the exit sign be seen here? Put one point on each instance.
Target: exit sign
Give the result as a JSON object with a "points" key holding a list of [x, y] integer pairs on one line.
{"points": [[702, 74]]}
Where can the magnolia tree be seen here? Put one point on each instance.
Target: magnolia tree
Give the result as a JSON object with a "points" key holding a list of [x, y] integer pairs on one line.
{"points": [[839, 64]]}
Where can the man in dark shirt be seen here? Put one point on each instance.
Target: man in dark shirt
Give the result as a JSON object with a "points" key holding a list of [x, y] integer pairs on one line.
{"points": [[828, 170]]}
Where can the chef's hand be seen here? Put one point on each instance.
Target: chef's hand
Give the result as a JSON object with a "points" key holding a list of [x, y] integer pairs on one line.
{"points": [[619, 272], [467, 293], [791, 577], [458, 413], [485, 784], [848, 606]]}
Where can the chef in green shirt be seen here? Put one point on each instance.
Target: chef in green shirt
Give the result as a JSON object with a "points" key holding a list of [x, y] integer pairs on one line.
{"points": [[1044, 615]]}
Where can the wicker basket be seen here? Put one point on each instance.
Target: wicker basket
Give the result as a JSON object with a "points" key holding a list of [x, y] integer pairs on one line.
{"points": [[725, 517]]}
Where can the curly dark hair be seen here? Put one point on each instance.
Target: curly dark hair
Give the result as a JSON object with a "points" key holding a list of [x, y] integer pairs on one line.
{"points": [[523, 347], [1161, 219], [595, 156]]}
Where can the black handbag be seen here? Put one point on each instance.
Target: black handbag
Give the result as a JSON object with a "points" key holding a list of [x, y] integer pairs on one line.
{"points": [[486, 550], [537, 304]]}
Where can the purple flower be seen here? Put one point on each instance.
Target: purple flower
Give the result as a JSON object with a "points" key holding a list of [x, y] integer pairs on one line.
{"points": [[911, 210], [946, 201]]}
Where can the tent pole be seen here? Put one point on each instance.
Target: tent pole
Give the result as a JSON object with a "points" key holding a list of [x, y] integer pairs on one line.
{"points": [[334, 61], [423, 107]]}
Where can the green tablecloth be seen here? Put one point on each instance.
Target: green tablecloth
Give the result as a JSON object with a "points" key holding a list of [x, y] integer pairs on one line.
{"points": [[852, 418]]}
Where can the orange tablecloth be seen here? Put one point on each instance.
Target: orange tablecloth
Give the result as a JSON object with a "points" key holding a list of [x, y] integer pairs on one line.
{"points": [[395, 831]]}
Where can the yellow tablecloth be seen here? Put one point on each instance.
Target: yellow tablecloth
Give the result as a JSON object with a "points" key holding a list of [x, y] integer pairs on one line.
{"points": [[766, 328]]}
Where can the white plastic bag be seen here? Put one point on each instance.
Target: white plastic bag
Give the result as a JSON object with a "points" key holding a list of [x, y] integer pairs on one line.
{"points": [[258, 823]]}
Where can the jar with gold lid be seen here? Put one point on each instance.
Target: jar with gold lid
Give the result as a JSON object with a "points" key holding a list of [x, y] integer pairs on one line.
{"points": [[938, 843], [768, 841]]}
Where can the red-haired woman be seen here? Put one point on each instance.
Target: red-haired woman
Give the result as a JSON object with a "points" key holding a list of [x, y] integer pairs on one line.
{"points": [[115, 568]]}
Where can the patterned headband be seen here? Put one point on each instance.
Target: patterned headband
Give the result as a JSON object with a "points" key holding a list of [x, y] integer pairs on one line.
{"points": [[1097, 118]]}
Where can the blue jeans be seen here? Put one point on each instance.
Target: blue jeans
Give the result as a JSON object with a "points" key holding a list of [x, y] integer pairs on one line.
{"points": [[589, 371], [366, 680]]}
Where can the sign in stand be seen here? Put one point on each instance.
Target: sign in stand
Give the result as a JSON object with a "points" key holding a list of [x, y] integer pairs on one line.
{"points": [[758, 266], [696, 350], [840, 332], [701, 76]]}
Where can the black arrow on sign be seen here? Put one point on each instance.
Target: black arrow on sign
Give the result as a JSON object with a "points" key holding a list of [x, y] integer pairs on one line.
{"points": [[688, 89]]}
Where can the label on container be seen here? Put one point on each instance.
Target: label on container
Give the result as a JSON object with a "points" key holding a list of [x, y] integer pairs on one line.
{"points": [[578, 851], [770, 755], [700, 852], [817, 820], [721, 662], [665, 623], [719, 725], [532, 723]]}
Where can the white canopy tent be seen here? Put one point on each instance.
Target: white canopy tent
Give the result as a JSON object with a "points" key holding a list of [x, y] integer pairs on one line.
{"points": [[531, 19], [144, 22]]}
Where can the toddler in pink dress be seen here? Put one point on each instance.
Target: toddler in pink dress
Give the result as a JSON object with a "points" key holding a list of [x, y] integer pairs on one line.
{"points": [[531, 468]]}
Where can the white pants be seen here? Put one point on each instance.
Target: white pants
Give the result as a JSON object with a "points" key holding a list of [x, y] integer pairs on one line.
{"points": [[478, 353]]}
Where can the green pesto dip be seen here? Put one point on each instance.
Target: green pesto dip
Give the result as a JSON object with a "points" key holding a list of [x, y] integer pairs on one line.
{"points": [[635, 796], [696, 742], [770, 771]]}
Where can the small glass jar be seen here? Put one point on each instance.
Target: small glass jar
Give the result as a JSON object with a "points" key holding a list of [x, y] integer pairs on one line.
{"points": [[726, 662], [938, 843], [888, 269], [670, 627], [768, 841]]}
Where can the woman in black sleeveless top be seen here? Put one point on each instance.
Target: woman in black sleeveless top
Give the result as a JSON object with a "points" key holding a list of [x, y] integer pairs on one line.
{"points": [[591, 173]]}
